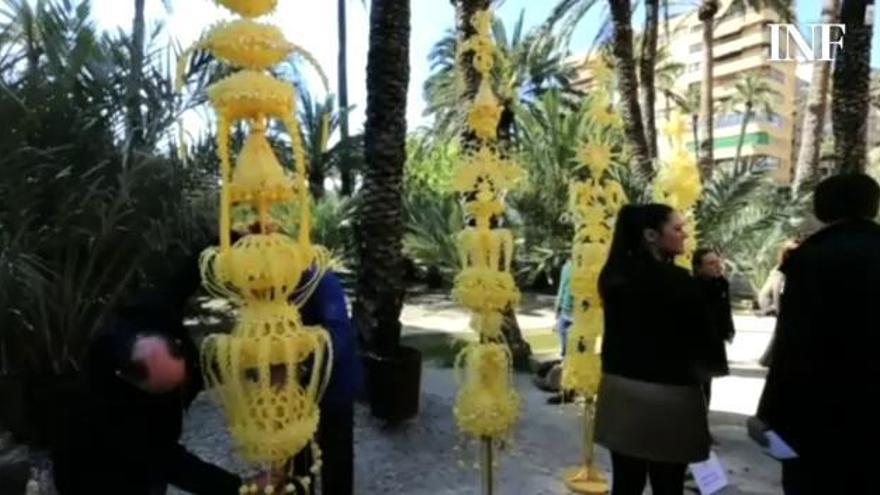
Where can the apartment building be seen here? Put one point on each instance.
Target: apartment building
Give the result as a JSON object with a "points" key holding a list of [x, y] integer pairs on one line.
{"points": [[741, 47]]}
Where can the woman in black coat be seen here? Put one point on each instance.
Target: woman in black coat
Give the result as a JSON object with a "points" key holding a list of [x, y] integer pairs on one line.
{"points": [[715, 291], [651, 413]]}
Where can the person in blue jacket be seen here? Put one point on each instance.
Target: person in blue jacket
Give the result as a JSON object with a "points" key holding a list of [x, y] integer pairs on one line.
{"points": [[326, 307]]}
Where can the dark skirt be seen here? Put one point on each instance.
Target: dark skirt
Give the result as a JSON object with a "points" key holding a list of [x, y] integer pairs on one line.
{"points": [[652, 421]]}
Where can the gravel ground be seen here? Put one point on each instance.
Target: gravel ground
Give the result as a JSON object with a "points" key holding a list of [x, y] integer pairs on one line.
{"points": [[428, 456]]}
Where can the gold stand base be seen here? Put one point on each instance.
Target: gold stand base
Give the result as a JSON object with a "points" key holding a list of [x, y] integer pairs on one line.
{"points": [[589, 481]]}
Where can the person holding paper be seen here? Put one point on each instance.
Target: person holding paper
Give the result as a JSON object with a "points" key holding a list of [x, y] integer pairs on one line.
{"points": [[818, 402], [651, 413]]}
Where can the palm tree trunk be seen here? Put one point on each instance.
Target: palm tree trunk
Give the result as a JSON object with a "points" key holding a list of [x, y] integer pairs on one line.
{"points": [[628, 86], [851, 97], [380, 285], [695, 129], [707, 12], [133, 91], [747, 117], [807, 164], [648, 58], [345, 173]]}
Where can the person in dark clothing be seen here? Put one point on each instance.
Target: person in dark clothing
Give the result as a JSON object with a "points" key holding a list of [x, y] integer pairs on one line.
{"points": [[708, 269], [650, 413], [326, 306], [818, 395], [141, 374]]}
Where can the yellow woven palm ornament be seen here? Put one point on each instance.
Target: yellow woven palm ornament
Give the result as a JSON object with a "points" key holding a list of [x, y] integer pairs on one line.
{"points": [[600, 70], [678, 182], [270, 372], [247, 44], [249, 8], [485, 113], [487, 405], [597, 157], [481, 43]]}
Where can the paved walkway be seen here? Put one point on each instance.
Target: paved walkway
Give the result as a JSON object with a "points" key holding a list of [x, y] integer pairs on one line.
{"points": [[427, 456]]}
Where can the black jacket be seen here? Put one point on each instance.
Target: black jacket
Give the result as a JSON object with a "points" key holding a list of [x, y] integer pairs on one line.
{"points": [[822, 385], [123, 440], [654, 330], [715, 293]]}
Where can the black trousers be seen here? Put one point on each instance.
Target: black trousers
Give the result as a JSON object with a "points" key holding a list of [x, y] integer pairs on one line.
{"points": [[630, 475], [336, 440]]}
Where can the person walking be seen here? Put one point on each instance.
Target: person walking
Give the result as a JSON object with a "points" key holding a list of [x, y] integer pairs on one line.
{"points": [[651, 413], [818, 398]]}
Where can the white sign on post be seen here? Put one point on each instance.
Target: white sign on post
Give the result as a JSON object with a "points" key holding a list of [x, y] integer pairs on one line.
{"points": [[710, 475]]}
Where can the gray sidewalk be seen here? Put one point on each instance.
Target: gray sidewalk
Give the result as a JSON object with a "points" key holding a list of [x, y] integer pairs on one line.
{"points": [[427, 456]]}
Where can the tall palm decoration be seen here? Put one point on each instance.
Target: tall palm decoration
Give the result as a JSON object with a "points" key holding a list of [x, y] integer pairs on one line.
{"points": [[529, 63], [851, 93], [751, 93]]}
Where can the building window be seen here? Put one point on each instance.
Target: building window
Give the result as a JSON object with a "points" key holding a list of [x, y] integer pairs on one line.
{"points": [[766, 163], [729, 56], [694, 67], [696, 28], [736, 118], [696, 47]]}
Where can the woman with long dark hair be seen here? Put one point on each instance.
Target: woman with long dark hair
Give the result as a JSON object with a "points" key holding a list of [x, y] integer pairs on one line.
{"points": [[651, 412]]}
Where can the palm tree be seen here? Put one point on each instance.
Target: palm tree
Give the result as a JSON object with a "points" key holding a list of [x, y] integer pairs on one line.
{"points": [[814, 119], [380, 285], [647, 66], [851, 89], [751, 92], [135, 74], [628, 86], [346, 175], [313, 114], [706, 14], [689, 104]]}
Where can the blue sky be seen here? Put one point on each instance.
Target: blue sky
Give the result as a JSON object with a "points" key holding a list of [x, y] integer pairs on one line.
{"points": [[312, 24]]}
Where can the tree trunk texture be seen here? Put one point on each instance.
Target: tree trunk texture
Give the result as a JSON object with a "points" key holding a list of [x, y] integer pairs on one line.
{"points": [[628, 86], [707, 12], [807, 165], [345, 174], [380, 284], [134, 127], [851, 97], [747, 117], [648, 58]]}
